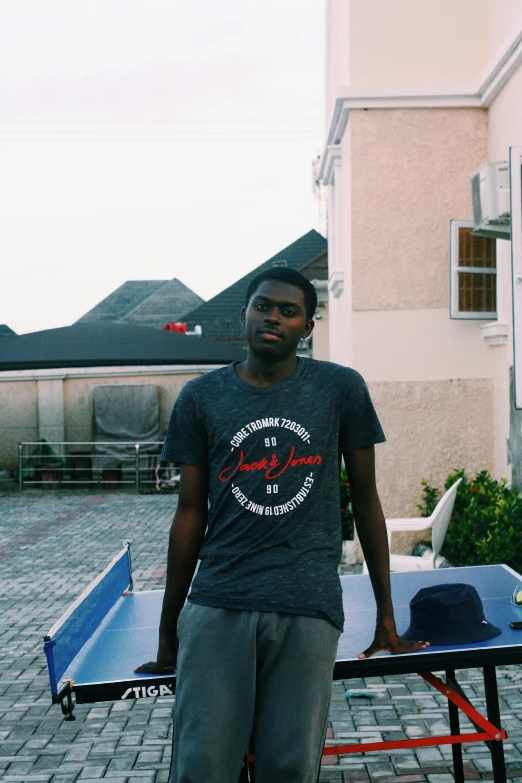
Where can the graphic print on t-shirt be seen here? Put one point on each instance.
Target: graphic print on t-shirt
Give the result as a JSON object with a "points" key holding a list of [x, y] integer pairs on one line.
{"points": [[271, 466]]}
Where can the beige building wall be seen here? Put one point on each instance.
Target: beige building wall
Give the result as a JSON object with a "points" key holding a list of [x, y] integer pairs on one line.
{"points": [[376, 43], [417, 41], [419, 345], [340, 255], [337, 50], [505, 119], [505, 16], [450, 423], [505, 130], [431, 428], [400, 175], [410, 176], [411, 173]]}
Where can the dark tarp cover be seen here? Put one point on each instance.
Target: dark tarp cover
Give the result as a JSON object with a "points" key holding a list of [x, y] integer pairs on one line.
{"points": [[123, 413]]}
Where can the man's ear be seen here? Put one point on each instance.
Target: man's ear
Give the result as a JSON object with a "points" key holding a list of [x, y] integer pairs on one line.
{"points": [[308, 329], [242, 315]]}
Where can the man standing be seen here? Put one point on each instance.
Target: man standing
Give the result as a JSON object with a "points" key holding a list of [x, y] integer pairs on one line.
{"points": [[260, 444]]}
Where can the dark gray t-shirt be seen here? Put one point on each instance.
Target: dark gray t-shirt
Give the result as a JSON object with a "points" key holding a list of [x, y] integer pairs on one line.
{"points": [[273, 541]]}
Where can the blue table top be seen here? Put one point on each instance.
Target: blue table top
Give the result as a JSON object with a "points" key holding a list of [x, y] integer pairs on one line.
{"points": [[128, 635], [494, 584]]}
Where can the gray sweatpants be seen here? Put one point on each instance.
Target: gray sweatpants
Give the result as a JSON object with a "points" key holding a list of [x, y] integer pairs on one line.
{"points": [[243, 674]]}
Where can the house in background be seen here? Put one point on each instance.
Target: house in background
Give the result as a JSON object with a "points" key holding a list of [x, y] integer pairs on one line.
{"points": [[155, 303], [418, 96], [6, 331], [47, 378], [145, 303], [219, 317]]}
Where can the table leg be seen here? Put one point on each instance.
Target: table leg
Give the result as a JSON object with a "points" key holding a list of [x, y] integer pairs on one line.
{"points": [[458, 767], [493, 712], [248, 774], [243, 775]]}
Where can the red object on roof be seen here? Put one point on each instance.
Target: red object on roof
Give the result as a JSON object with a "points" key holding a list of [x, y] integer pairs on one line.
{"points": [[175, 327]]}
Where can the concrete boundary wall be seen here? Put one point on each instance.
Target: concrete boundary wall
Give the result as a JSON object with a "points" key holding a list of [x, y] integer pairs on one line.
{"points": [[57, 404]]}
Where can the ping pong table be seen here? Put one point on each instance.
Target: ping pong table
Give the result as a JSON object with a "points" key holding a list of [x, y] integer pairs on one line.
{"points": [[109, 630]]}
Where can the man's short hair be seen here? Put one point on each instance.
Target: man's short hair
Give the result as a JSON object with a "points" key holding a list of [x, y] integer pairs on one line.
{"points": [[286, 275]]}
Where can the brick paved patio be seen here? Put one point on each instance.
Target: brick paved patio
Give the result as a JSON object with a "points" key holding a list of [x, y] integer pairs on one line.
{"points": [[52, 544]]}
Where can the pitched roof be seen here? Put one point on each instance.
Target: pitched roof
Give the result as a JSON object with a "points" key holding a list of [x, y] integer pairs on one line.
{"points": [[316, 268], [121, 301], [219, 317], [110, 344], [168, 303], [6, 331]]}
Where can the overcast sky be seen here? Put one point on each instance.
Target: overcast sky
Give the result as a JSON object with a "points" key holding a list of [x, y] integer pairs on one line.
{"points": [[151, 139]]}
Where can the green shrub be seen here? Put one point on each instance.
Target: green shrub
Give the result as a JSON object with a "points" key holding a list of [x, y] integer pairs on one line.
{"points": [[346, 506], [486, 524]]}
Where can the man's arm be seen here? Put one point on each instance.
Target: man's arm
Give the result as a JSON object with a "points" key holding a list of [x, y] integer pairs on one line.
{"points": [[185, 539], [371, 527]]}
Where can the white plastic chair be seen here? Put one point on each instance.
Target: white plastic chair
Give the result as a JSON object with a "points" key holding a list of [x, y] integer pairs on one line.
{"points": [[438, 521]]}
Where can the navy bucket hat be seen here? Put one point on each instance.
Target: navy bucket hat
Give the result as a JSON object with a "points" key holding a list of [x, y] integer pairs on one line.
{"points": [[449, 614]]}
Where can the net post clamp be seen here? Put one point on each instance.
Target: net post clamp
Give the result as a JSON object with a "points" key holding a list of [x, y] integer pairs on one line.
{"points": [[64, 698]]}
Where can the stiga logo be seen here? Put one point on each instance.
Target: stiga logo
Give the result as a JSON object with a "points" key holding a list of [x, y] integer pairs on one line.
{"points": [[141, 691]]}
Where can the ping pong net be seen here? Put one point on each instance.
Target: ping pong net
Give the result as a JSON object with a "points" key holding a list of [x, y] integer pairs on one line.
{"points": [[67, 637]]}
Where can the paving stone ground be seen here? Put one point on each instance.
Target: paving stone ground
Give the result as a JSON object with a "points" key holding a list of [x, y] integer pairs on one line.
{"points": [[52, 544]]}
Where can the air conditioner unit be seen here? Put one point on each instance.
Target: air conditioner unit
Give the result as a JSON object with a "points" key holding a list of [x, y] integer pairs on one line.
{"points": [[490, 193]]}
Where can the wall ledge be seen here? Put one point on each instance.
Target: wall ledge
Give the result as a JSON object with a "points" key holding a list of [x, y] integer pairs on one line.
{"points": [[336, 283], [107, 372], [478, 94], [496, 333]]}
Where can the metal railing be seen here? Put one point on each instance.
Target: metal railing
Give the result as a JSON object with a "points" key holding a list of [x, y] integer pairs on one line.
{"points": [[79, 464]]}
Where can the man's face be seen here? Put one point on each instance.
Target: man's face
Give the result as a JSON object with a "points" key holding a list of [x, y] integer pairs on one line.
{"points": [[275, 319]]}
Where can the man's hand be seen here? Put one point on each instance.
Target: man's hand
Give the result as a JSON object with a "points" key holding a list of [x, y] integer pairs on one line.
{"points": [[185, 539], [154, 667], [166, 660], [386, 638], [369, 519]]}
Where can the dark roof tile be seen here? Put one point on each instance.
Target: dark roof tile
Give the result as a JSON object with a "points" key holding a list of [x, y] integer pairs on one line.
{"points": [[219, 317], [110, 344], [168, 303], [121, 301]]}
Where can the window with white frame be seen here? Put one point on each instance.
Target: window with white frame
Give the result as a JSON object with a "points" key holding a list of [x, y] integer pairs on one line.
{"points": [[473, 273]]}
